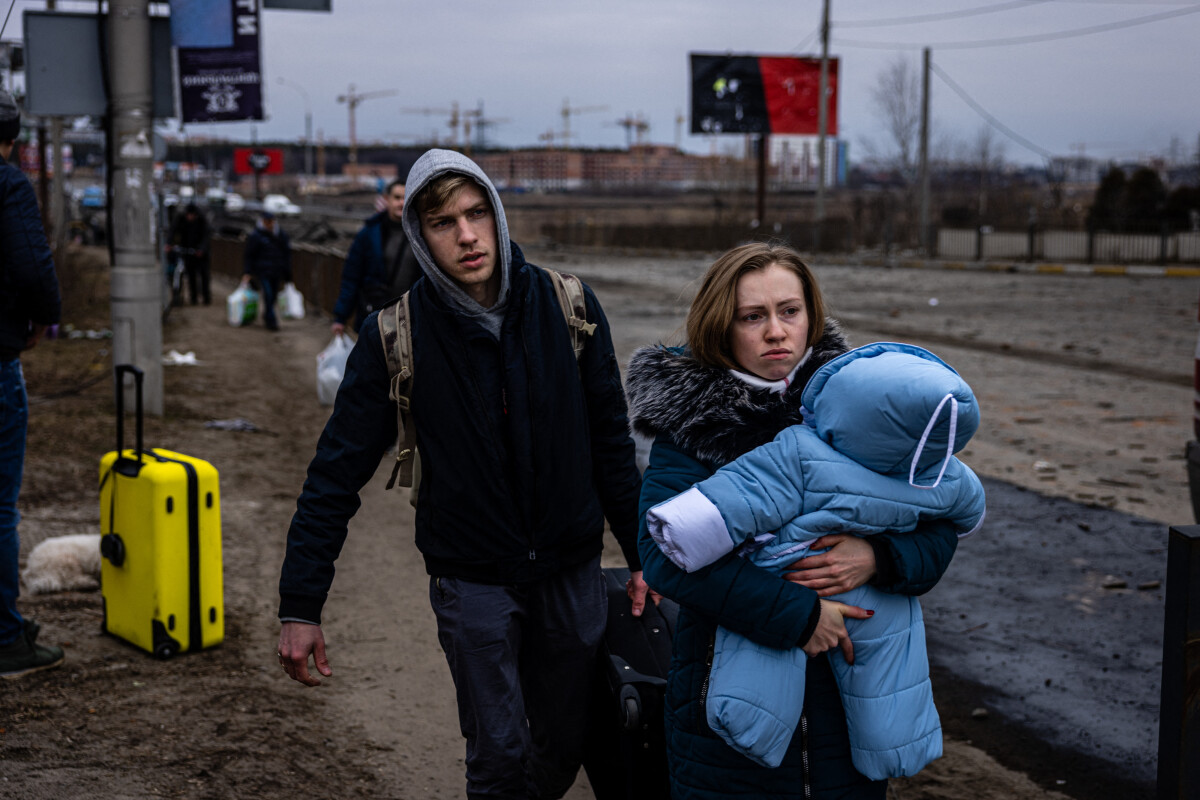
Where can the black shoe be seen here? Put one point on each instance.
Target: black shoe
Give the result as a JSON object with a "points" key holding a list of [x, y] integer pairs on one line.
{"points": [[23, 655]]}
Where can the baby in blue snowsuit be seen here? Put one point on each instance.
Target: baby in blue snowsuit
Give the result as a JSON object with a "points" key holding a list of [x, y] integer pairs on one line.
{"points": [[876, 453]]}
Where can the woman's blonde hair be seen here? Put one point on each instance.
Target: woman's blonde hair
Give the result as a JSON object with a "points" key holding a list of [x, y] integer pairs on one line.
{"points": [[711, 316]]}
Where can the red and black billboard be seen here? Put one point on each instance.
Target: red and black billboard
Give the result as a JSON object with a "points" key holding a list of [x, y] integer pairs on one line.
{"points": [[760, 94], [260, 160]]}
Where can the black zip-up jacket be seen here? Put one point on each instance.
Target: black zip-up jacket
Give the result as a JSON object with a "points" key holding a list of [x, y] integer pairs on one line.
{"points": [[28, 285], [524, 452]]}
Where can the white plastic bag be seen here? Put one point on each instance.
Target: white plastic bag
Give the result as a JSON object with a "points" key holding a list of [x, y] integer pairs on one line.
{"points": [[290, 302], [241, 307], [331, 366]]}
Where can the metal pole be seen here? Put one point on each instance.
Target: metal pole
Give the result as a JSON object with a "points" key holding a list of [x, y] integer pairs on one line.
{"points": [[761, 205], [822, 121], [1179, 708], [308, 143], [137, 281], [925, 155]]}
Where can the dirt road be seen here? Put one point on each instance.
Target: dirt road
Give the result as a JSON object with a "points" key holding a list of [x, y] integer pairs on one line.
{"points": [[1084, 387]]}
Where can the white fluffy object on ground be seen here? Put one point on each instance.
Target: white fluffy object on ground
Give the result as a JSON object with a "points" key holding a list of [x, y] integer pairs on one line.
{"points": [[64, 563]]}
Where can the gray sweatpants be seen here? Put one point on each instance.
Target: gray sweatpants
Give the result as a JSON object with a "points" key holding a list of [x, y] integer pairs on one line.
{"points": [[522, 658]]}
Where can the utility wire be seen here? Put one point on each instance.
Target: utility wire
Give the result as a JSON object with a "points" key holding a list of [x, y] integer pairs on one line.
{"points": [[966, 12], [1038, 37], [812, 36], [991, 120], [6, 16]]}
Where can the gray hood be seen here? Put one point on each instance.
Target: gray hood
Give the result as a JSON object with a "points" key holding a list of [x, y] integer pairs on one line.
{"points": [[428, 167]]}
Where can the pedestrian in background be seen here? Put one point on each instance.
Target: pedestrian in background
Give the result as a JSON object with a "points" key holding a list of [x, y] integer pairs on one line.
{"points": [[525, 451], [268, 261], [188, 240], [380, 266], [29, 303]]}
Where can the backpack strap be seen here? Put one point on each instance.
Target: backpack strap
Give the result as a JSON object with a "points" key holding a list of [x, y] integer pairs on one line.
{"points": [[569, 291], [395, 330]]}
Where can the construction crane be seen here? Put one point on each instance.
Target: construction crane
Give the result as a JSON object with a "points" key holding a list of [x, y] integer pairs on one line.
{"points": [[567, 111], [352, 99], [454, 117], [634, 126], [474, 116]]}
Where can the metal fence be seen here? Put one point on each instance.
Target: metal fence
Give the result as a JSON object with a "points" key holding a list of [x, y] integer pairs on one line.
{"points": [[1088, 247]]}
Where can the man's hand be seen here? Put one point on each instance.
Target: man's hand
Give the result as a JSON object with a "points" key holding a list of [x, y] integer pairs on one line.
{"points": [[848, 563], [637, 590], [831, 629], [338, 328], [296, 641]]}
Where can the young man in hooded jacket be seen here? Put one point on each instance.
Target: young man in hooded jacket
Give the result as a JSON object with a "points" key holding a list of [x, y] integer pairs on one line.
{"points": [[524, 453]]}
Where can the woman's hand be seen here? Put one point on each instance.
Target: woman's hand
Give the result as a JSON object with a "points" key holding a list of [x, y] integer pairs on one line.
{"points": [[831, 629], [847, 564]]}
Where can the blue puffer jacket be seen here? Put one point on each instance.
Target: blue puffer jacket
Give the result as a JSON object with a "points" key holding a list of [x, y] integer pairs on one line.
{"points": [[702, 418], [28, 285], [897, 414]]}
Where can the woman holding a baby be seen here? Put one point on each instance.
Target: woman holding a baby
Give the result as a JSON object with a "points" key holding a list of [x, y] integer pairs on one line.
{"points": [[753, 552]]}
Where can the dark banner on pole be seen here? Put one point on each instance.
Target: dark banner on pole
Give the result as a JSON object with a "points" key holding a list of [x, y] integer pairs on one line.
{"points": [[760, 94], [224, 84]]}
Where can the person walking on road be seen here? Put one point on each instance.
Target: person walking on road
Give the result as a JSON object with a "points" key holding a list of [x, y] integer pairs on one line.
{"points": [[756, 333], [525, 451], [188, 239], [268, 260], [29, 303], [380, 266]]}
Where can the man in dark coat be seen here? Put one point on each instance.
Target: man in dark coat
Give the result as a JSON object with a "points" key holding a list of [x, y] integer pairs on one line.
{"points": [[525, 452], [380, 266], [29, 303], [268, 260], [189, 240]]}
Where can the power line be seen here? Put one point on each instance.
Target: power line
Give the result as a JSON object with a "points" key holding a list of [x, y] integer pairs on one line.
{"points": [[811, 37], [6, 16], [966, 12], [1038, 37], [991, 120]]}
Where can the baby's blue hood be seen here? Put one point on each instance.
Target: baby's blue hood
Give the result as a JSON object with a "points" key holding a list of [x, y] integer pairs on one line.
{"points": [[884, 403]]}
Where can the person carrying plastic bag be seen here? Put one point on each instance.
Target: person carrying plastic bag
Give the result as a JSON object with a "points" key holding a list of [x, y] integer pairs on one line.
{"points": [[331, 366]]}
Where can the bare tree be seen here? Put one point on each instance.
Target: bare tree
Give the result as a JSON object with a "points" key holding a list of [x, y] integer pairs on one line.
{"points": [[987, 156], [897, 98]]}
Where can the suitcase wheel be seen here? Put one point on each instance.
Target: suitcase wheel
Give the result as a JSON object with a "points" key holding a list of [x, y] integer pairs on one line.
{"points": [[631, 708], [112, 547]]}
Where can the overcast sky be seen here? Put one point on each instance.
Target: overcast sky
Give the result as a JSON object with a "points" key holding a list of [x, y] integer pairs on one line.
{"points": [[1126, 90]]}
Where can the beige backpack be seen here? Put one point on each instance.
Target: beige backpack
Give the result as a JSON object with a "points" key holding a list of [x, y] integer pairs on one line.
{"points": [[396, 333]]}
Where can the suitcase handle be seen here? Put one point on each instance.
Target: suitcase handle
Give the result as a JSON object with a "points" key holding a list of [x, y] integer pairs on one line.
{"points": [[124, 465]]}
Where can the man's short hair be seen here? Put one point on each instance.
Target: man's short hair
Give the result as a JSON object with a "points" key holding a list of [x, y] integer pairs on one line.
{"points": [[442, 189], [392, 184]]}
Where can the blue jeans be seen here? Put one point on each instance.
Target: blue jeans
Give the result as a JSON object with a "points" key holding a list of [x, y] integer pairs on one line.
{"points": [[270, 290], [522, 658], [14, 419]]}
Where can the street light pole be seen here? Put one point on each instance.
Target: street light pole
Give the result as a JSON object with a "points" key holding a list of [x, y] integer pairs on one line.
{"points": [[308, 144], [137, 280]]}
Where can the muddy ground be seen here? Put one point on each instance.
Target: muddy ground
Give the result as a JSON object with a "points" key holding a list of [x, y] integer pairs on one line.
{"points": [[1085, 388]]}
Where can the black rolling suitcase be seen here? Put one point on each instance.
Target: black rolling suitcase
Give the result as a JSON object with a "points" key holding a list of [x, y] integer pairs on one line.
{"points": [[627, 757]]}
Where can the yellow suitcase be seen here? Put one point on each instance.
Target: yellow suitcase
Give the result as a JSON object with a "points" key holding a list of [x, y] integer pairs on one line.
{"points": [[160, 525]]}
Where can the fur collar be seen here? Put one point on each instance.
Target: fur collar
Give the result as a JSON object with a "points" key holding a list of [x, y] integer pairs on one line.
{"points": [[709, 412]]}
